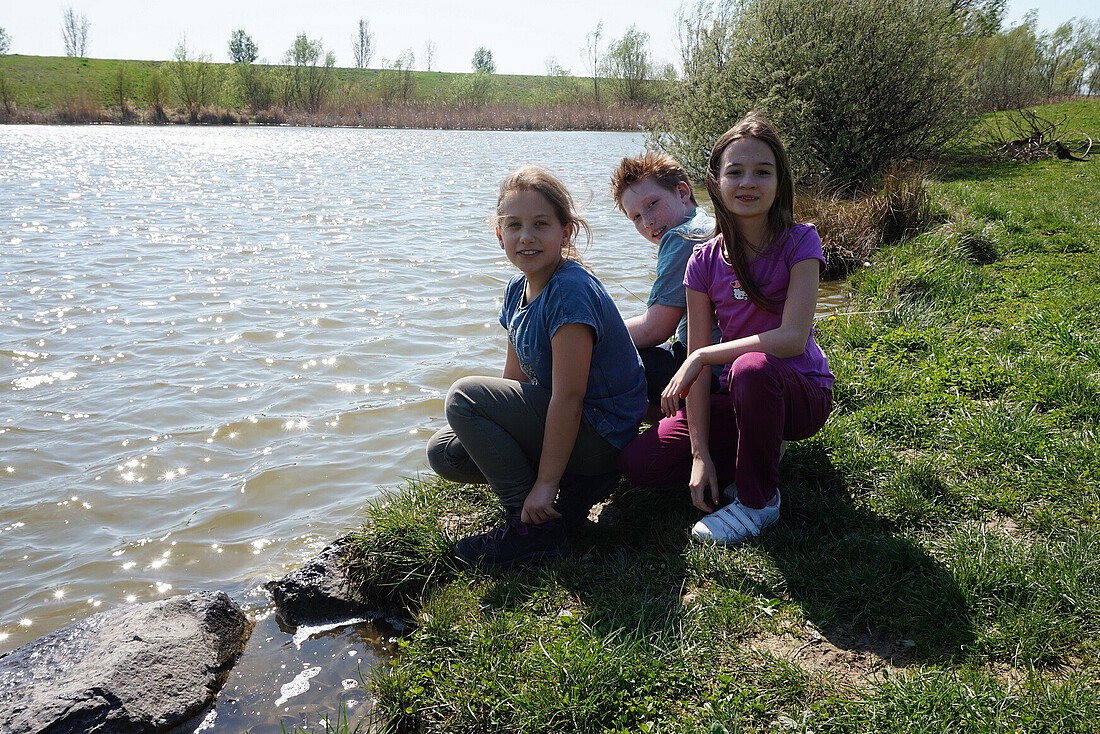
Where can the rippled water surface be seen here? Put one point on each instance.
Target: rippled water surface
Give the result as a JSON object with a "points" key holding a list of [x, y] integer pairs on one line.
{"points": [[218, 345]]}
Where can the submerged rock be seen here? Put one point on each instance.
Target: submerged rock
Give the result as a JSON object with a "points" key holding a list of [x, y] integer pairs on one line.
{"points": [[144, 668]]}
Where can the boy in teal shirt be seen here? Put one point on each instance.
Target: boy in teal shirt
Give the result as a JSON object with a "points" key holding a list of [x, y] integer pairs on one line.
{"points": [[654, 191]]}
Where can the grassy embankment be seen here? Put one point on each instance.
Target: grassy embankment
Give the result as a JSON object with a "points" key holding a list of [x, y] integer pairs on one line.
{"points": [[937, 566], [45, 89]]}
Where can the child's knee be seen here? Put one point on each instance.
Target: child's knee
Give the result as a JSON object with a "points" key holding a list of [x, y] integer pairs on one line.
{"points": [[464, 393], [436, 450], [753, 368], [439, 454], [642, 462]]}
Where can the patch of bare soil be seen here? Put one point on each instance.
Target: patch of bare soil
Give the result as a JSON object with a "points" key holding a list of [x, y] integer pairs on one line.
{"points": [[853, 658], [1004, 525]]}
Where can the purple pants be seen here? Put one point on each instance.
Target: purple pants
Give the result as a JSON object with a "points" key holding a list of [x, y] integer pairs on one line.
{"points": [[767, 403]]}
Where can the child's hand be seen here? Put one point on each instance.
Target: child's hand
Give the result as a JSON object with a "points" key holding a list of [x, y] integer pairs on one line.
{"points": [[539, 505], [704, 485], [681, 382]]}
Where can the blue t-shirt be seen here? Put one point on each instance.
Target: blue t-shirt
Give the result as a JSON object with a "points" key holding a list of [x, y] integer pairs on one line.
{"points": [[672, 258], [615, 398]]}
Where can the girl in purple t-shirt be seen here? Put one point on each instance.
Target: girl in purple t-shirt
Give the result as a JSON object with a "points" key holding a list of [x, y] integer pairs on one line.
{"points": [[759, 277]]}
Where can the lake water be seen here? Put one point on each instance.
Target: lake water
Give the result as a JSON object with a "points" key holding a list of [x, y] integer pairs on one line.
{"points": [[219, 344]]}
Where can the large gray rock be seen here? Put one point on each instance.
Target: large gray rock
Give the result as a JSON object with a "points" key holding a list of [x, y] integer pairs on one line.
{"points": [[137, 669], [320, 591]]}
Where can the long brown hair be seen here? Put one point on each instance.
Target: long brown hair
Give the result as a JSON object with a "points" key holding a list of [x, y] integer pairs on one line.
{"points": [[780, 215]]}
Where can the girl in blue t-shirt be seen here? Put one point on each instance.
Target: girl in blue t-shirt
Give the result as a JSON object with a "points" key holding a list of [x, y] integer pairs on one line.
{"points": [[546, 435]]}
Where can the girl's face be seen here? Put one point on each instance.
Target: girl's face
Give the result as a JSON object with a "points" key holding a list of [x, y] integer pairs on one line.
{"points": [[530, 234], [747, 180]]}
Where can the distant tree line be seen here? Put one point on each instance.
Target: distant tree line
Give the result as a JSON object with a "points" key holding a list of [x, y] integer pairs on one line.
{"points": [[304, 78], [857, 85], [1021, 66]]}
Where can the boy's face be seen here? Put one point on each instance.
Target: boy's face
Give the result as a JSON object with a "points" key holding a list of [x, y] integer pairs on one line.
{"points": [[655, 209]]}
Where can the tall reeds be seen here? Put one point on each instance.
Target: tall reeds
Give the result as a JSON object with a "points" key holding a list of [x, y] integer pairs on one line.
{"points": [[431, 115], [853, 226], [81, 106]]}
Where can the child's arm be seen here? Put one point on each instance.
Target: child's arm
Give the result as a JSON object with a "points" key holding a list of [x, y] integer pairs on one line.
{"points": [[512, 370], [572, 354], [703, 474], [666, 297], [789, 340], [655, 326]]}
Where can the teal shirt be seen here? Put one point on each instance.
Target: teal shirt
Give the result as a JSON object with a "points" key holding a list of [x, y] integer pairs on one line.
{"points": [[672, 258]]}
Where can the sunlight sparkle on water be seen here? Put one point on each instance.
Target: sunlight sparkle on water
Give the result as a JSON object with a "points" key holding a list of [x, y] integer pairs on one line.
{"points": [[172, 474]]}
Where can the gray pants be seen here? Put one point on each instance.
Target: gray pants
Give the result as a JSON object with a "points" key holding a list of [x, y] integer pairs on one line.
{"points": [[494, 436]]}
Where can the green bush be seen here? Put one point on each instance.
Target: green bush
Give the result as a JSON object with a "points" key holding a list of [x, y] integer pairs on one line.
{"points": [[856, 86]]}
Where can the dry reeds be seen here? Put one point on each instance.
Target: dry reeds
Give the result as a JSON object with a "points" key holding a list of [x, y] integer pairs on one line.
{"points": [[855, 225], [82, 107], [492, 116]]}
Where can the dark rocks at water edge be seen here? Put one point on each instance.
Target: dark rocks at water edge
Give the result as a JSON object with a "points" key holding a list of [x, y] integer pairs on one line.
{"points": [[320, 591], [138, 669]]}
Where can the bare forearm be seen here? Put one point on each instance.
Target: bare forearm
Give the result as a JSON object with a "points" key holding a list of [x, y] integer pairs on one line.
{"points": [[782, 343], [698, 417], [563, 420], [655, 326]]}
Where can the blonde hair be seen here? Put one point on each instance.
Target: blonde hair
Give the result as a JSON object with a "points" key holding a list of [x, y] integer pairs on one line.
{"points": [[536, 178]]}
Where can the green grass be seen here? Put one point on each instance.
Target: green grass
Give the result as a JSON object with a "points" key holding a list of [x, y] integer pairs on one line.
{"points": [[937, 566], [46, 84]]}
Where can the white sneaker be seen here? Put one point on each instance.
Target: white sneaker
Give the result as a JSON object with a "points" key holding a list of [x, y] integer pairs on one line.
{"points": [[736, 523]]}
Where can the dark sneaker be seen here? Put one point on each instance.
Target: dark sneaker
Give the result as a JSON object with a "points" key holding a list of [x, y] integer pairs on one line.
{"points": [[515, 543], [578, 493]]}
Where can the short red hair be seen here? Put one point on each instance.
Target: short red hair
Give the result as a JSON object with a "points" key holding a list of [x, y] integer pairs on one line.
{"points": [[661, 167]]}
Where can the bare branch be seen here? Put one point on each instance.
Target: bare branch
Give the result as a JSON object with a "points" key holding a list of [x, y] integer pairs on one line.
{"points": [[74, 30]]}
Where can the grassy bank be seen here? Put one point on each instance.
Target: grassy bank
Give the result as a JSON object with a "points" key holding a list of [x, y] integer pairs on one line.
{"points": [[937, 566], [43, 89]]}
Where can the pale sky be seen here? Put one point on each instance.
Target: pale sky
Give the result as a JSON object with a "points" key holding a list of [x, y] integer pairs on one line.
{"points": [[522, 34]]}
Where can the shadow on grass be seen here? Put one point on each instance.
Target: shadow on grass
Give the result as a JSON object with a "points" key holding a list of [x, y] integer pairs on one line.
{"points": [[991, 170], [855, 580], [862, 587]]}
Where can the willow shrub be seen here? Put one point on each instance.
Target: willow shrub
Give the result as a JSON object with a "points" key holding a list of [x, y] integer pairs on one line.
{"points": [[855, 86]]}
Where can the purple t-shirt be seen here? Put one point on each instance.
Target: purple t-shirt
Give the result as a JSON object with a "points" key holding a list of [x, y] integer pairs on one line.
{"points": [[708, 272]]}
